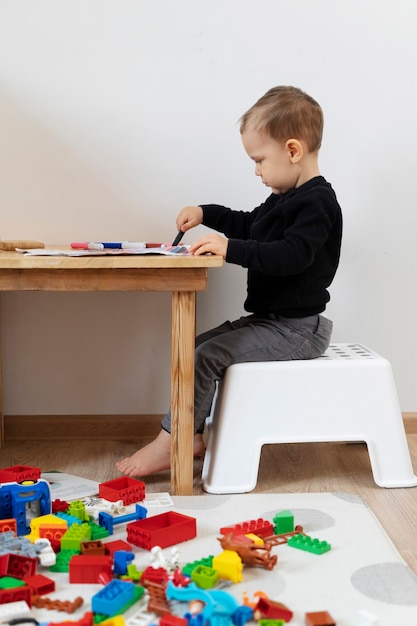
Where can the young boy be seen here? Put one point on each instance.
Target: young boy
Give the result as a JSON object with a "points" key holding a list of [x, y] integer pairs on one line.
{"points": [[290, 246]]}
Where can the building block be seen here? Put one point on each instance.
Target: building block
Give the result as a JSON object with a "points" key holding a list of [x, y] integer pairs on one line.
{"points": [[204, 577], [40, 584], [88, 568], [283, 522], [16, 594], [77, 509], [242, 615], [161, 530], [92, 547], [7, 525], [228, 565], [108, 521], [129, 490], [270, 609], [259, 527], [188, 568], [113, 597], [46, 521], [154, 575], [59, 506], [10, 582], [98, 532], [20, 566], [75, 535], [110, 547], [158, 602], [271, 622], [116, 620], [19, 473], [13, 610], [167, 619], [319, 618], [304, 542], [121, 559], [63, 560]]}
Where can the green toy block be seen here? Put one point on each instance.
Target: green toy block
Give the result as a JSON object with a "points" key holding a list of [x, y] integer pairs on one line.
{"points": [[304, 542], [77, 509], [10, 582], [284, 522], [62, 560], [75, 535], [204, 577], [271, 622], [188, 568]]}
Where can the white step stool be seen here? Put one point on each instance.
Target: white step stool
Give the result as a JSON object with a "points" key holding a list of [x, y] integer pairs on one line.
{"points": [[348, 394]]}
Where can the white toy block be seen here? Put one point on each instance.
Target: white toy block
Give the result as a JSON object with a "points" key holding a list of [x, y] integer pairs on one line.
{"points": [[348, 394]]}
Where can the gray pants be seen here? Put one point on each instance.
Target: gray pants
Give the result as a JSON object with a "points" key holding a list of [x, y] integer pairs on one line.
{"points": [[251, 338]]}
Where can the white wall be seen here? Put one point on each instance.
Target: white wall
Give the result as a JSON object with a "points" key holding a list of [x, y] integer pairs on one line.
{"points": [[116, 113]]}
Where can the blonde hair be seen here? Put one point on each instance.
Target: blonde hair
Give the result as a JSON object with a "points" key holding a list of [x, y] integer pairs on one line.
{"points": [[286, 112]]}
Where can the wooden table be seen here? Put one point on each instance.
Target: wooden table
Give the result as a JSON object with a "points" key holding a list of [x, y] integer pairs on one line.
{"points": [[183, 276]]}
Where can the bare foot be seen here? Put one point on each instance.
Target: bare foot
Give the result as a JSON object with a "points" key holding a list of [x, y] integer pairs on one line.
{"points": [[154, 457]]}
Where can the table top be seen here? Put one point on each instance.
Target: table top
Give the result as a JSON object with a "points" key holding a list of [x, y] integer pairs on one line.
{"points": [[19, 261]]}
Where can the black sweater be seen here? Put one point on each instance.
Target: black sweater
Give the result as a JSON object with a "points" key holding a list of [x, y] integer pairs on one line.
{"points": [[290, 245]]}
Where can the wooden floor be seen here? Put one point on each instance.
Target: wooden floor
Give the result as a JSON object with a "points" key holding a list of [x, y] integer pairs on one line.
{"points": [[284, 468]]}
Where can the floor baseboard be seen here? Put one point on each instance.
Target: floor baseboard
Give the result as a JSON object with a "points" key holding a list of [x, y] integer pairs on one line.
{"points": [[103, 427]]}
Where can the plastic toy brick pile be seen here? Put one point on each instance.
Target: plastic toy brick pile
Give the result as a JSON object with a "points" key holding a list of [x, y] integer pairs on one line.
{"points": [[40, 537]]}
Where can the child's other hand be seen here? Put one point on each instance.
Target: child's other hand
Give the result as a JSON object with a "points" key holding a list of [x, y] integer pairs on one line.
{"points": [[189, 217], [215, 244]]}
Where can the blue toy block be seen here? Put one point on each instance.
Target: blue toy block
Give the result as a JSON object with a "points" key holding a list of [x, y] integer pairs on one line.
{"points": [[110, 599], [121, 559], [108, 521]]}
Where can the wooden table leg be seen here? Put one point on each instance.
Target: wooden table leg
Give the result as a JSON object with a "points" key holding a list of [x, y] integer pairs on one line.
{"points": [[182, 392], [1, 396]]}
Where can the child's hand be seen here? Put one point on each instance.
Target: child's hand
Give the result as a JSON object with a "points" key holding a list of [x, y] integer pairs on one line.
{"points": [[215, 244], [189, 217]]}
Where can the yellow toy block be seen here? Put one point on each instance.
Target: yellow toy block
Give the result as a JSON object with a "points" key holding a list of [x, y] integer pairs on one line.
{"points": [[258, 541], [117, 620], [228, 565]]}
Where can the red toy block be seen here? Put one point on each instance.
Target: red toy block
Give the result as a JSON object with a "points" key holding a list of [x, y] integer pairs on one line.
{"points": [[19, 473], [110, 547], [20, 566], [59, 506], [4, 563], [7, 525], [162, 530], [260, 527], [88, 569], [167, 619], [154, 575], [129, 490], [319, 618], [273, 610], [53, 532], [39, 584], [16, 594]]}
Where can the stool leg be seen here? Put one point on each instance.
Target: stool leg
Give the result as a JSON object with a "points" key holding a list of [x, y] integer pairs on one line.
{"points": [[239, 473]]}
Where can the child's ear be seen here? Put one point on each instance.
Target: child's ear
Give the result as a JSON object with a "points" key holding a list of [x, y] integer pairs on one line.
{"points": [[295, 150]]}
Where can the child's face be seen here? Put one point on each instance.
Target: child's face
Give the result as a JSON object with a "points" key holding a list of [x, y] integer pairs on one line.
{"points": [[274, 162]]}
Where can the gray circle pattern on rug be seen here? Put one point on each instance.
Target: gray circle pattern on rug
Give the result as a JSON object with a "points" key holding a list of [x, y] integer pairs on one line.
{"points": [[392, 583]]}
